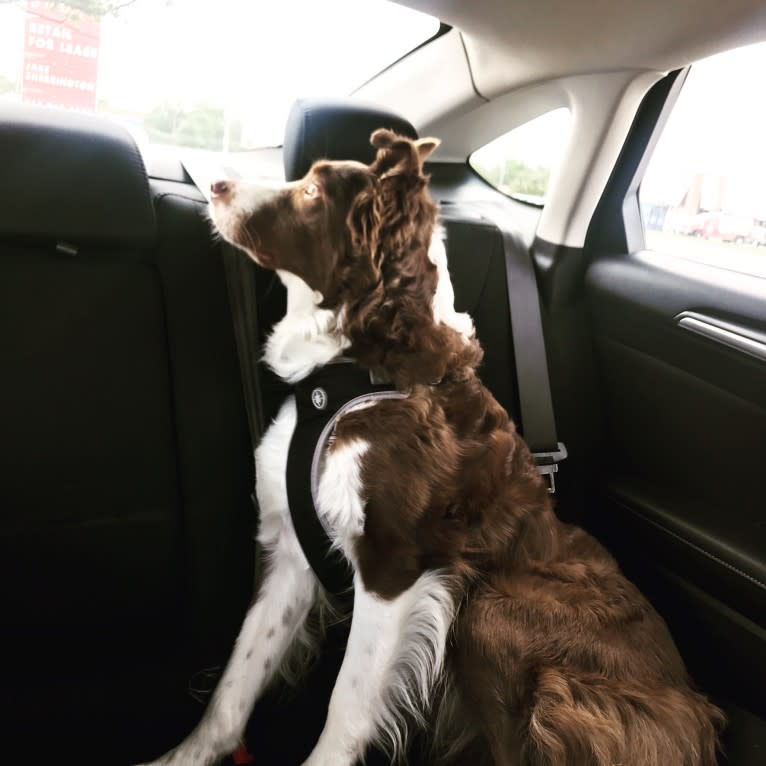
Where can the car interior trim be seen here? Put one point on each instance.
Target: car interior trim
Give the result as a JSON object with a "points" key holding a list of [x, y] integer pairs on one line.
{"points": [[739, 338]]}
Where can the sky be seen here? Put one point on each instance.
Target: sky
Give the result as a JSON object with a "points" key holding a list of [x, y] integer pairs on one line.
{"points": [[539, 142]]}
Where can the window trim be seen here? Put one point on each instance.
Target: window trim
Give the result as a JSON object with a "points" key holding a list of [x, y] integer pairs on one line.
{"points": [[616, 224]]}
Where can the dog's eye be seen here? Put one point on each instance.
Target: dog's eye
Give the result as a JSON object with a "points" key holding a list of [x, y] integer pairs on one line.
{"points": [[311, 191]]}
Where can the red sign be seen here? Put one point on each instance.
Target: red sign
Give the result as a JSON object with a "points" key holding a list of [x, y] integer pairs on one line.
{"points": [[60, 57]]}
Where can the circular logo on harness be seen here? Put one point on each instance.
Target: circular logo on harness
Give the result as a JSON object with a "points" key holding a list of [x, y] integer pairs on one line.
{"points": [[319, 398]]}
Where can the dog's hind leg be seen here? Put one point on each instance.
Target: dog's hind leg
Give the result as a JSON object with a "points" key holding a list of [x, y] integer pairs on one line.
{"points": [[394, 657], [588, 719], [499, 731]]}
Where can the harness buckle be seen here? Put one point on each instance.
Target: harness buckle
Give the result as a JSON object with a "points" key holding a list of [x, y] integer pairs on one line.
{"points": [[547, 465]]}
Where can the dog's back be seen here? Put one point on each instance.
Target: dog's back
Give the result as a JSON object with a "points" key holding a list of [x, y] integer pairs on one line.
{"points": [[556, 654]]}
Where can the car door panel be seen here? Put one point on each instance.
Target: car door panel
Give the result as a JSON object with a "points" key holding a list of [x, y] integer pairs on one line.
{"points": [[680, 503]]}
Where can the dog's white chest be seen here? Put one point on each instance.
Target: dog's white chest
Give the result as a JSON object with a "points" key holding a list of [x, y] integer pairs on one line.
{"points": [[271, 478]]}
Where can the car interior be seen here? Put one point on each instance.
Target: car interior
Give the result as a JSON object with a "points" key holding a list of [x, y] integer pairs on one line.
{"points": [[127, 559]]}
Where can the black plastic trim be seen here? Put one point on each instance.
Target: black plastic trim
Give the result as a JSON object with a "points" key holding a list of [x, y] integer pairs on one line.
{"points": [[610, 228]]}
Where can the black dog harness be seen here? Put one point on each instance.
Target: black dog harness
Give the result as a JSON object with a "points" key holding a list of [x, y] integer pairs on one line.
{"points": [[321, 399]]}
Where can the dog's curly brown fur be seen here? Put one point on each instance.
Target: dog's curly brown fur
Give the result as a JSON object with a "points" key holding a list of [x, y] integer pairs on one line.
{"points": [[390, 325]]}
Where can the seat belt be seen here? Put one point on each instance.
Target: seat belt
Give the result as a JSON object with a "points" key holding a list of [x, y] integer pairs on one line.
{"points": [[535, 402], [241, 283], [240, 273]]}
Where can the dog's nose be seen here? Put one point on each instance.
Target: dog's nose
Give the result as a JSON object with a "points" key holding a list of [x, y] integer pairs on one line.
{"points": [[219, 188]]}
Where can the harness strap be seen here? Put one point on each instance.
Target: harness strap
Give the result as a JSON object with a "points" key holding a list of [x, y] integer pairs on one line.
{"points": [[319, 451], [320, 400]]}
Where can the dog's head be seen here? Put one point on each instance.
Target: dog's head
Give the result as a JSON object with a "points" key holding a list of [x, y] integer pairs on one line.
{"points": [[359, 235], [325, 228]]}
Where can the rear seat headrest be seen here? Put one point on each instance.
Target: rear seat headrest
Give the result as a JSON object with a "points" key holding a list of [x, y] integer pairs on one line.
{"points": [[71, 177], [337, 129]]}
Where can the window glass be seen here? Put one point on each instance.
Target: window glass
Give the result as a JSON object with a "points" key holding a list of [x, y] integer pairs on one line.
{"points": [[211, 74], [520, 162], [704, 193]]}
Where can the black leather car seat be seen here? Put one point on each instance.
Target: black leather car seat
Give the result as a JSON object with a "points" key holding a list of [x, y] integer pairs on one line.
{"points": [[125, 463]]}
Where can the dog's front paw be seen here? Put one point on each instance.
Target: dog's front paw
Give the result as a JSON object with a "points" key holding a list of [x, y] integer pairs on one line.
{"points": [[324, 759], [187, 756]]}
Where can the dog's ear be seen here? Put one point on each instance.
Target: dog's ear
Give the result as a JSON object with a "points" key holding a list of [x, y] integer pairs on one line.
{"points": [[383, 138], [364, 220], [426, 147], [400, 155]]}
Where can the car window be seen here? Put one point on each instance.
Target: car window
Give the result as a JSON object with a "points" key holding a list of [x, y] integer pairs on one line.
{"points": [[703, 195], [210, 74], [520, 162]]}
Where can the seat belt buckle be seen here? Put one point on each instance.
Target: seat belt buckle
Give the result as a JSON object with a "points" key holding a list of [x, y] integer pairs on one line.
{"points": [[548, 465]]}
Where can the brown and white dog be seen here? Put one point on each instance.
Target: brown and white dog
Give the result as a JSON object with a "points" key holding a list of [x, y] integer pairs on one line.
{"points": [[511, 636]]}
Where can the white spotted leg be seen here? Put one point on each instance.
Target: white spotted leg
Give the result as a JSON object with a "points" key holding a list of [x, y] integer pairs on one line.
{"points": [[394, 656], [270, 628]]}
